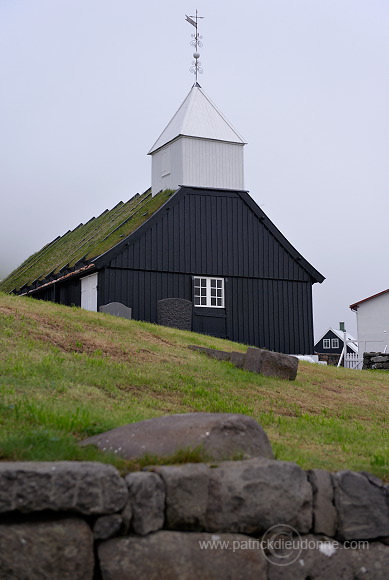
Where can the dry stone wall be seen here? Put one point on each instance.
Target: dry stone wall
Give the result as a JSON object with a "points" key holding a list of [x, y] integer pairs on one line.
{"points": [[376, 360], [75, 520]]}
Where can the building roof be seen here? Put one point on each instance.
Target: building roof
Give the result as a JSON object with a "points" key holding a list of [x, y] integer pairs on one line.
{"points": [[92, 245], [356, 304], [199, 117], [340, 334], [72, 252]]}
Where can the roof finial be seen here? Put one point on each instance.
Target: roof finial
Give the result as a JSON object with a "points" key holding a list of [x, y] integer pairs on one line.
{"points": [[196, 42]]}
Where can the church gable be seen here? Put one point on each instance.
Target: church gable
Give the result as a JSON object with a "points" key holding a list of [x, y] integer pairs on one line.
{"points": [[213, 232]]}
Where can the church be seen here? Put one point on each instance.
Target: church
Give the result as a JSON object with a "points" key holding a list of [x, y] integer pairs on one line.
{"points": [[195, 235]]}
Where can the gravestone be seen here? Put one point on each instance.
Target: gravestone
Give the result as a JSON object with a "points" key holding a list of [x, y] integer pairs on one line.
{"points": [[117, 309], [175, 312]]}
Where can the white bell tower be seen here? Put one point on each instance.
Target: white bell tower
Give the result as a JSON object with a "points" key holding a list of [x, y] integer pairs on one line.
{"points": [[199, 147]]}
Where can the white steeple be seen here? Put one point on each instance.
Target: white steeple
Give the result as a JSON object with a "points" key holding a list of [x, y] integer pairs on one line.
{"points": [[199, 147]]}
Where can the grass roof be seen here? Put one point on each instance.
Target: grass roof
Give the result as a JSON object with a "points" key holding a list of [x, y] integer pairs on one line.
{"points": [[87, 241]]}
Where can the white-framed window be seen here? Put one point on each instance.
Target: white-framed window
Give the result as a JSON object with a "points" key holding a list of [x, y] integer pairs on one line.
{"points": [[334, 342], [208, 292], [326, 343]]}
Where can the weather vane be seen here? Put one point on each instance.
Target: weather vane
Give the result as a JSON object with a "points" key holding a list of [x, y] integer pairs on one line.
{"points": [[196, 42]]}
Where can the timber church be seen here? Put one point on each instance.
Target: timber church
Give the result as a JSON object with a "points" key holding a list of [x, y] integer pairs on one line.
{"points": [[195, 235]]}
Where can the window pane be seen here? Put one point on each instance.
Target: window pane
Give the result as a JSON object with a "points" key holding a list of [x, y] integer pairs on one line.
{"points": [[219, 283], [203, 282], [213, 283], [219, 302], [203, 291], [213, 301], [213, 291], [197, 281], [197, 300], [203, 301]]}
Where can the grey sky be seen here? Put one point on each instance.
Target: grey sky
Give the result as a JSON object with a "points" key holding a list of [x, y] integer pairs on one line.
{"points": [[88, 85]]}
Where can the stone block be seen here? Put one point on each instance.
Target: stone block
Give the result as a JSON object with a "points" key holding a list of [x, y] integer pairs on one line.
{"points": [[253, 360], [242, 496], [147, 499], [370, 562], [175, 312], [324, 512], [237, 359], [212, 352], [362, 504], [271, 364], [107, 527], [181, 556], [117, 309], [84, 487], [380, 359], [312, 557], [220, 435], [56, 550], [186, 495]]}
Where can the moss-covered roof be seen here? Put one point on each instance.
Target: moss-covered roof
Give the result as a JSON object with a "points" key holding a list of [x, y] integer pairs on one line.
{"points": [[86, 242]]}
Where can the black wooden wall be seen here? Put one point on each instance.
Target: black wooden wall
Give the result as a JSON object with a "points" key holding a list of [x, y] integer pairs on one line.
{"points": [[268, 292]]}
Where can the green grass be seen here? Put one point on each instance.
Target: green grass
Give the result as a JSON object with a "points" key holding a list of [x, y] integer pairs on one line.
{"points": [[66, 374], [87, 240]]}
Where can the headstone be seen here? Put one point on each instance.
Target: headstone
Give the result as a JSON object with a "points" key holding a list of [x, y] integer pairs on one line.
{"points": [[175, 312], [117, 309]]}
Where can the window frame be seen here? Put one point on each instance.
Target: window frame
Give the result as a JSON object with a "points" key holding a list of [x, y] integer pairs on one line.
{"points": [[326, 343], [211, 288], [334, 342]]}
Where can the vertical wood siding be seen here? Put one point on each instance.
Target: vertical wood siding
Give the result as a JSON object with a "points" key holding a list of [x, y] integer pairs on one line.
{"points": [[211, 234], [268, 294]]}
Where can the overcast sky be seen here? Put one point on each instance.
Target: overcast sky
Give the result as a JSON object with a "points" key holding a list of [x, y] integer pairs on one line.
{"points": [[87, 86]]}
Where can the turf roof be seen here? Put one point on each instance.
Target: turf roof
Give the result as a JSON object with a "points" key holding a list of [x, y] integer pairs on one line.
{"points": [[87, 241]]}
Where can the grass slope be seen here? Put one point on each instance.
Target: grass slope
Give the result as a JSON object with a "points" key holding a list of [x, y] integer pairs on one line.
{"points": [[66, 374]]}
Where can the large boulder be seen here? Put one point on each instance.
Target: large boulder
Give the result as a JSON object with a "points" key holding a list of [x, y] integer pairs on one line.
{"points": [[56, 550], [86, 487], [237, 496], [181, 556], [220, 435]]}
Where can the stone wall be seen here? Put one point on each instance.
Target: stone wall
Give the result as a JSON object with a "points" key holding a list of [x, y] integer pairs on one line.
{"points": [[80, 520], [376, 360]]}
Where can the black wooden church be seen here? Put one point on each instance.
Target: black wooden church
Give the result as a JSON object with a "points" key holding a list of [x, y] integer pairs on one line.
{"points": [[197, 234]]}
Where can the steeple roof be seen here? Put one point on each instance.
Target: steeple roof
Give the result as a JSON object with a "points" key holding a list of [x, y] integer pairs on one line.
{"points": [[198, 117]]}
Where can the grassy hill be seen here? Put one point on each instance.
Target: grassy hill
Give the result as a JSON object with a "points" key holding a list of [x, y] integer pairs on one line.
{"points": [[66, 374]]}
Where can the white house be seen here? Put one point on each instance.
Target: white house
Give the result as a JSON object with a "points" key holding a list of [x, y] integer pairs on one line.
{"points": [[199, 148], [373, 322]]}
